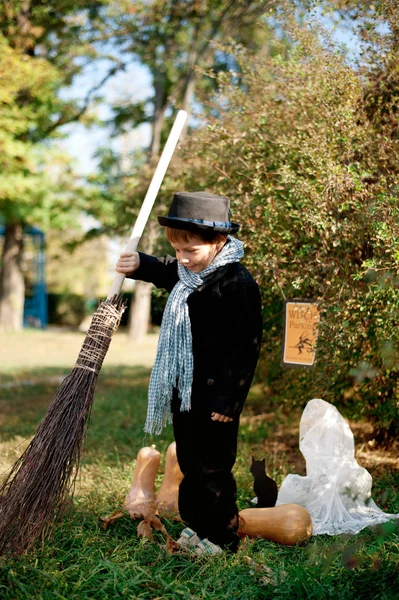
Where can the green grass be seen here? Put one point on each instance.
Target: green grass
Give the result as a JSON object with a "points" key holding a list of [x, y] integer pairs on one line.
{"points": [[84, 561]]}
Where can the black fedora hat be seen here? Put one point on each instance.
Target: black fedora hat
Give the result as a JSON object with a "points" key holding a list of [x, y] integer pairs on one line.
{"points": [[199, 211]]}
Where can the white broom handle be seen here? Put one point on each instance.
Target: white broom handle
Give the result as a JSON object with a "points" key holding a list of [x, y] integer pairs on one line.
{"points": [[151, 195]]}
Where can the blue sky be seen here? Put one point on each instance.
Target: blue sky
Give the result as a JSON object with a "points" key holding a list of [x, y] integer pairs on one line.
{"points": [[134, 85]]}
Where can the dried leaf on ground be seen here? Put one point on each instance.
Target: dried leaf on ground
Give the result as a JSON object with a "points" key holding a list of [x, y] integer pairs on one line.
{"points": [[267, 575], [144, 530], [106, 521], [172, 547]]}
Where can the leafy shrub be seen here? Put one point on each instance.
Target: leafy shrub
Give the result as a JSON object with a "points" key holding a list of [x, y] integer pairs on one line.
{"points": [[66, 309], [310, 160]]}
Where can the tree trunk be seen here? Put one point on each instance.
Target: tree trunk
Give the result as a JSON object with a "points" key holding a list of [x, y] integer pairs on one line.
{"points": [[139, 319], [140, 310], [187, 102], [12, 286], [160, 107]]}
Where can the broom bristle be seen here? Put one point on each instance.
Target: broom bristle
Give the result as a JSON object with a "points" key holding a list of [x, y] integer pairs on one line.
{"points": [[41, 482]]}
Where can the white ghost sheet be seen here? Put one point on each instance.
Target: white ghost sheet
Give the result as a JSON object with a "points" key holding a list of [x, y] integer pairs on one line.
{"points": [[336, 491]]}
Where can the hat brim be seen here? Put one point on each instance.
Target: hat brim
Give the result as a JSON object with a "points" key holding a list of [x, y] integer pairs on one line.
{"points": [[190, 225]]}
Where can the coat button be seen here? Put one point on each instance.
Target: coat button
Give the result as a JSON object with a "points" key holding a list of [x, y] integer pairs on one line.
{"points": [[210, 382]]}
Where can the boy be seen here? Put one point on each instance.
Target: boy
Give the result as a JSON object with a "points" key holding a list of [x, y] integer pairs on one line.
{"points": [[207, 353]]}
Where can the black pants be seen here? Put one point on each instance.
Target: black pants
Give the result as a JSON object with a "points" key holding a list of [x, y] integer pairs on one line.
{"points": [[206, 452]]}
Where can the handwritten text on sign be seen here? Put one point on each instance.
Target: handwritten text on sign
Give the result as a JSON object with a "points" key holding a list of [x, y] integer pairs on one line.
{"points": [[301, 323]]}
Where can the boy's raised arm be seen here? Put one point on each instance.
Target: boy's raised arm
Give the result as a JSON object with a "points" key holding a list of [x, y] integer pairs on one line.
{"points": [[162, 272]]}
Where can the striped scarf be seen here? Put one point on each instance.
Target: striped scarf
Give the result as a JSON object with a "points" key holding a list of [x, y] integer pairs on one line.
{"points": [[174, 362]]}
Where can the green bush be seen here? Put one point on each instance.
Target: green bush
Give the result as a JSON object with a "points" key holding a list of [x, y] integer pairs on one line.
{"points": [[66, 309], [307, 148]]}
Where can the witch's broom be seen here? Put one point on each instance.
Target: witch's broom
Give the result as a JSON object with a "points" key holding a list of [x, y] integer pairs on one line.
{"points": [[41, 482]]}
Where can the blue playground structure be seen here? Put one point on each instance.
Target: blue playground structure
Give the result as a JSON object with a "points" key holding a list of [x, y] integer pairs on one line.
{"points": [[35, 307]]}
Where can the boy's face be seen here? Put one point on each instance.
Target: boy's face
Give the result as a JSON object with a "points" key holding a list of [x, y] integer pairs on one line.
{"points": [[196, 254]]}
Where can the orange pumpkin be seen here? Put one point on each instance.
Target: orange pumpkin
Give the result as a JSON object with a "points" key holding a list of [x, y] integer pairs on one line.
{"points": [[287, 524], [140, 500], [168, 494]]}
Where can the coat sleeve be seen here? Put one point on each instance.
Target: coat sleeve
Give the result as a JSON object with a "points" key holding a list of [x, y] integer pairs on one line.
{"points": [[162, 272], [238, 353]]}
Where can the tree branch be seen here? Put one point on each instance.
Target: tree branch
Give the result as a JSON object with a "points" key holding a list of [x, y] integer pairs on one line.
{"points": [[64, 120]]}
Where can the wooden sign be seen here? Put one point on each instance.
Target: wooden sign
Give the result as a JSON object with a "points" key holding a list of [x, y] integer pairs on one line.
{"points": [[301, 321]]}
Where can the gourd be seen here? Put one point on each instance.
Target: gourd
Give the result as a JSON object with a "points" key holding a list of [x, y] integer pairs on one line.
{"points": [[287, 524], [140, 500], [168, 494]]}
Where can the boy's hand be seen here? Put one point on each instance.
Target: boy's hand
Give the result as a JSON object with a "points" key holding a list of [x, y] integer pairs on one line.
{"points": [[223, 418], [128, 263]]}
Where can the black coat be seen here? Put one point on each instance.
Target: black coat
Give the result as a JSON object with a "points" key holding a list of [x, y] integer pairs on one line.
{"points": [[226, 327]]}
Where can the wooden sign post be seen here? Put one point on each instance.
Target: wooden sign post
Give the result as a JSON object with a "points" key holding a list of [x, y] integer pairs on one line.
{"points": [[301, 319]]}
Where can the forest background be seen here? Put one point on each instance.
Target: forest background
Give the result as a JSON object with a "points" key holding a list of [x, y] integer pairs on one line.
{"points": [[298, 130]]}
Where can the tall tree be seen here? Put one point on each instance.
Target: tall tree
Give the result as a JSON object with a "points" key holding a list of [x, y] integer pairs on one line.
{"points": [[175, 41], [42, 49], [23, 181]]}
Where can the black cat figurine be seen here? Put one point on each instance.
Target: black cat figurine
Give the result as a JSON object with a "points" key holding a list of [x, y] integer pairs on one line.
{"points": [[265, 487]]}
